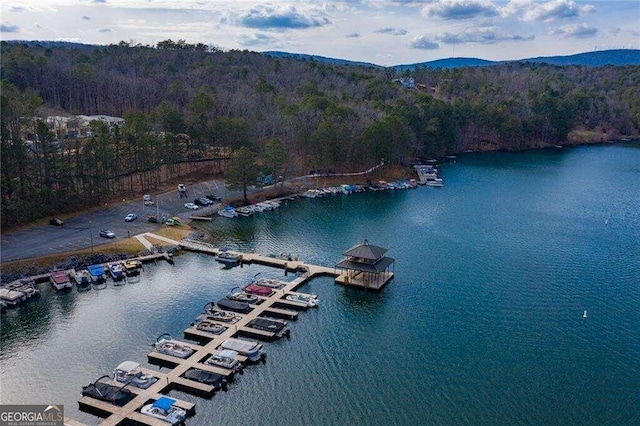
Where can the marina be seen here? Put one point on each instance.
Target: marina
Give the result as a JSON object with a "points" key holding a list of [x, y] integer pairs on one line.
{"points": [[258, 321], [484, 315]]}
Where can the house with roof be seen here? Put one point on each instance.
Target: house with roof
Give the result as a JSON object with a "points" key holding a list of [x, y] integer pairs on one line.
{"points": [[365, 266]]}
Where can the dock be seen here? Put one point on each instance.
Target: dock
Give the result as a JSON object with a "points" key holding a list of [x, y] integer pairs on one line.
{"points": [[273, 306]]}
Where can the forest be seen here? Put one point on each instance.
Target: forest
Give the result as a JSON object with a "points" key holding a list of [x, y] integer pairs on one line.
{"points": [[191, 108]]}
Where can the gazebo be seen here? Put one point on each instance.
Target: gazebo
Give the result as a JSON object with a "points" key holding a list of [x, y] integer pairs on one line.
{"points": [[365, 265]]}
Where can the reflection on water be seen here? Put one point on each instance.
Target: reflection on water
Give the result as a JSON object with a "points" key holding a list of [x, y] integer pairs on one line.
{"points": [[482, 323]]}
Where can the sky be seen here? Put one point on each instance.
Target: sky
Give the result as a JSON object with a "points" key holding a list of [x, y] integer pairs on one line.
{"points": [[383, 32]]}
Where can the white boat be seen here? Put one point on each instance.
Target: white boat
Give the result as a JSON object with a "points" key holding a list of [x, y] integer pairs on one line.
{"points": [[129, 372], [12, 297], [116, 270], [164, 409], [311, 193], [237, 294], [26, 287], [267, 282], [210, 327], [60, 280], [165, 345], [224, 256], [265, 206], [82, 279], [225, 359], [253, 350], [244, 211], [228, 211], [584, 315], [435, 182], [309, 299]]}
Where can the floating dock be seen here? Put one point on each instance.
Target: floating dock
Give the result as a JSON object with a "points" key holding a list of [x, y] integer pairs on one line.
{"points": [[273, 306]]}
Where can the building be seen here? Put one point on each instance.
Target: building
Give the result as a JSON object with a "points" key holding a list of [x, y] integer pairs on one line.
{"points": [[365, 266]]}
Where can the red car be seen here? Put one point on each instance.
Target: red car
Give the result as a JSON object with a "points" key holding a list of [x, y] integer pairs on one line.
{"points": [[258, 290]]}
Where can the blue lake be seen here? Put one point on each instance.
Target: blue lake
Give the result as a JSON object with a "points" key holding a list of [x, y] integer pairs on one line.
{"points": [[482, 324]]}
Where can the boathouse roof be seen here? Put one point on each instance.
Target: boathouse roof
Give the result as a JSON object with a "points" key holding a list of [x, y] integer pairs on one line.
{"points": [[377, 267], [365, 251]]}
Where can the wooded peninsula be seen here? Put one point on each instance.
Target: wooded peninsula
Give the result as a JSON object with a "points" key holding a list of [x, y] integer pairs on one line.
{"points": [[191, 108]]}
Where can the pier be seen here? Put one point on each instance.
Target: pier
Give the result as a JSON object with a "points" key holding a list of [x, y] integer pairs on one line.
{"points": [[274, 305]]}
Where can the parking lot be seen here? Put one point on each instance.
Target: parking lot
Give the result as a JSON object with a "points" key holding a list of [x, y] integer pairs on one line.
{"points": [[82, 230]]}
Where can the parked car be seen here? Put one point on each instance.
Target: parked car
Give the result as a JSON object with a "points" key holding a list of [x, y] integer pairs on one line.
{"points": [[153, 219], [130, 217], [202, 202], [107, 234], [146, 197], [214, 198], [191, 206], [181, 188], [56, 222], [149, 203]]}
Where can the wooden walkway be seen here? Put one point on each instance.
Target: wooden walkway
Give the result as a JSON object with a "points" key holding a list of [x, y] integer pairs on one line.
{"points": [[275, 305]]}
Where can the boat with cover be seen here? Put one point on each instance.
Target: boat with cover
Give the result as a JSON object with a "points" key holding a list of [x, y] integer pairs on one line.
{"points": [[234, 306], [218, 381], [165, 345], [311, 300], [435, 182], [97, 273], [165, 409], [116, 395], [258, 290], [254, 351], [116, 270], [271, 325], [60, 280], [244, 211], [132, 267], [129, 372], [240, 296], [226, 359], [225, 256]]}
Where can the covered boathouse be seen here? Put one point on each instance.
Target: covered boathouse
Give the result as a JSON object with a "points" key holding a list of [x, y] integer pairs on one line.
{"points": [[365, 266]]}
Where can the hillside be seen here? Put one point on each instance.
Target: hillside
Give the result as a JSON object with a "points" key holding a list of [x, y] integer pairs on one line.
{"points": [[187, 109]]}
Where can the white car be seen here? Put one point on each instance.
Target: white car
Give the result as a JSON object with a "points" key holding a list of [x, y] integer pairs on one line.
{"points": [[191, 206], [181, 188]]}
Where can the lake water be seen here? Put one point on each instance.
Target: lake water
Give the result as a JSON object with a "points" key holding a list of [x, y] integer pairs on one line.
{"points": [[482, 324]]}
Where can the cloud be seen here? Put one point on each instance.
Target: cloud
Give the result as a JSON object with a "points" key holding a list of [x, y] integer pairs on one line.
{"points": [[353, 35], [257, 39], [17, 9], [555, 10], [105, 30], [86, 18], [392, 31], [486, 35], [460, 9], [284, 17], [9, 28], [575, 31], [99, 1], [423, 42]]}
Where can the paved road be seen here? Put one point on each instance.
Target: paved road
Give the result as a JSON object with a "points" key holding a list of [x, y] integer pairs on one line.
{"points": [[82, 231]]}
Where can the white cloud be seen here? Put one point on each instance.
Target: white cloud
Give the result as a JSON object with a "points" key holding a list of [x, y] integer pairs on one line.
{"points": [[423, 42], [484, 35], [574, 31], [353, 35], [555, 10], [460, 9], [392, 31], [257, 39], [287, 17]]}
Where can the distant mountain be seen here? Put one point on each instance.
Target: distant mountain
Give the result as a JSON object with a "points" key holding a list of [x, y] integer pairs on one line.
{"points": [[305, 57], [597, 58]]}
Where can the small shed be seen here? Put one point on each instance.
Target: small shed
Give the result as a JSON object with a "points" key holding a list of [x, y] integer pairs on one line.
{"points": [[366, 265]]}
